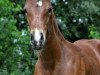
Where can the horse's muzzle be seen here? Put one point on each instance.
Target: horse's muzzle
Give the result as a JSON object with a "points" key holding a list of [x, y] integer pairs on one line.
{"points": [[37, 41]]}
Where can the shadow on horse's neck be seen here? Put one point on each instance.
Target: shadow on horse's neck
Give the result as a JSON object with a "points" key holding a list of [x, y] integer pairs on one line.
{"points": [[52, 49], [53, 33]]}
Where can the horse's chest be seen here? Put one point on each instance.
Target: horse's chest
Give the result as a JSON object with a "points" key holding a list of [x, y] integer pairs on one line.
{"points": [[64, 70], [58, 70]]}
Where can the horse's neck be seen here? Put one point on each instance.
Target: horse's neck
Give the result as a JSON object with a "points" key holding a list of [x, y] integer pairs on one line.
{"points": [[53, 31], [52, 50]]}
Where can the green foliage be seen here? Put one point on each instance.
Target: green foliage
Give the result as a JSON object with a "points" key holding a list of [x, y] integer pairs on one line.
{"points": [[14, 45], [93, 32], [75, 16]]}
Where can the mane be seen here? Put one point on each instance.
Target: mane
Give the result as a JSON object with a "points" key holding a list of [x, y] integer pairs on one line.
{"points": [[55, 27]]}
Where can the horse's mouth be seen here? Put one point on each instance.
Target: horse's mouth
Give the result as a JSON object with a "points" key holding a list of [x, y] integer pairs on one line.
{"points": [[37, 47]]}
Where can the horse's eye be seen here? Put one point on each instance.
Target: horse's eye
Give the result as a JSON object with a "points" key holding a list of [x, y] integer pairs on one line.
{"points": [[49, 10]]}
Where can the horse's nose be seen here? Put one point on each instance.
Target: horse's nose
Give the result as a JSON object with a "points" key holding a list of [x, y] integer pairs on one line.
{"points": [[37, 39]]}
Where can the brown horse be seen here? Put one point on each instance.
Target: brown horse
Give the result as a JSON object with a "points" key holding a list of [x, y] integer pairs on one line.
{"points": [[58, 56]]}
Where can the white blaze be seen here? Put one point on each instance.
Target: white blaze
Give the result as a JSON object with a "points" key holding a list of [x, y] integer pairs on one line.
{"points": [[37, 36], [39, 3]]}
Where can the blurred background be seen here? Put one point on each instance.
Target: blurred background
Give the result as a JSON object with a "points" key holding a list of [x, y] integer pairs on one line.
{"points": [[77, 19]]}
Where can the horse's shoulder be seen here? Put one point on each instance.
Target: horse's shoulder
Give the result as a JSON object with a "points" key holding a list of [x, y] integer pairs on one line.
{"points": [[85, 43], [90, 47]]}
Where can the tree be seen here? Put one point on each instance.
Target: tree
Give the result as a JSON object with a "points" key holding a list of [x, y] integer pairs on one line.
{"points": [[75, 17], [15, 58]]}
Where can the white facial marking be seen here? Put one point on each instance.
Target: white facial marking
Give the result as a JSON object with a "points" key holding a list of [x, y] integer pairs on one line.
{"points": [[39, 3], [37, 35]]}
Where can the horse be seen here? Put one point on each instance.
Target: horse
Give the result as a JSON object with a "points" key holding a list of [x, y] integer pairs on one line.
{"points": [[58, 56]]}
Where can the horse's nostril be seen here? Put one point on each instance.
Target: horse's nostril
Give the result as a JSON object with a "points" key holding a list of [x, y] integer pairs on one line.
{"points": [[41, 36], [32, 37]]}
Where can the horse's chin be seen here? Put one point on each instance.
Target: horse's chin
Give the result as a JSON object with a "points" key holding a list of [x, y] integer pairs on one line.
{"points": [[37, 48]]}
